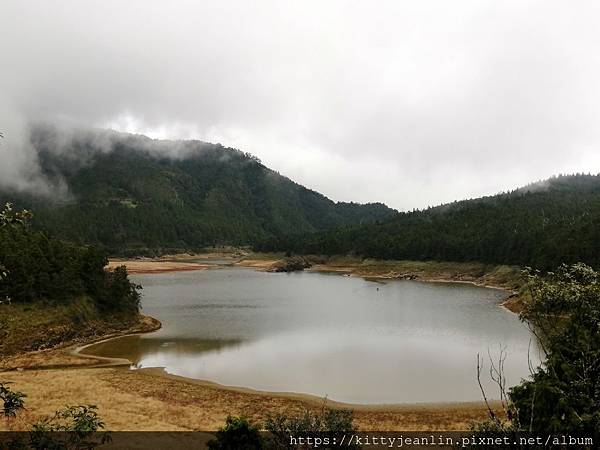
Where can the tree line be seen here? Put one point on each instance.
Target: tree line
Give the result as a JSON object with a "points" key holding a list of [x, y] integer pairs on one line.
{"points": [[542, 225], [35, 266]]}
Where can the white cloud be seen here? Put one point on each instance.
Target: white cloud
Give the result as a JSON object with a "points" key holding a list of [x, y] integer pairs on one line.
{"points": [[410, 103]]}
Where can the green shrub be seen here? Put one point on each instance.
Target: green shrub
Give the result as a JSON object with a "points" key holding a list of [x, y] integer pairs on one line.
{"points": [[563, 395], [73, 427], [239, 433], [326, 423], [13, 401]]}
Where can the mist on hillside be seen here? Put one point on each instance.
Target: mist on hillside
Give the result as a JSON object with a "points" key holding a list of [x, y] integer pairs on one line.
{"points": [[411, 104]]}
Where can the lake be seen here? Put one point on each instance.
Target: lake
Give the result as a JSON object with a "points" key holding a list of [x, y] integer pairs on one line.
{"points": [[346, 338]]}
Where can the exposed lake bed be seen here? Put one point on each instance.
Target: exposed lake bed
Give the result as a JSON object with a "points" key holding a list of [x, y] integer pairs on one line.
{"points": [[346, 338], [171, 402]]}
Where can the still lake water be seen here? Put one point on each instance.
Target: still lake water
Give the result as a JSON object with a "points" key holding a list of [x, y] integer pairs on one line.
{"points": [[346, 338]]}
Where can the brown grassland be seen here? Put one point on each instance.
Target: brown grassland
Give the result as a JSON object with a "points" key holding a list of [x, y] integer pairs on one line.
{"points": [[149, 399]]}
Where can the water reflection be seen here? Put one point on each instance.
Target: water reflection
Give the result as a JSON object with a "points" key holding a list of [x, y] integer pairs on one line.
{"points": [[139, 349], [347, 338]]}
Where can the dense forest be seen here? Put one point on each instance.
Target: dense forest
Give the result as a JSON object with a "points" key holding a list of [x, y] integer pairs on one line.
{"points": [[129, 193], [541, 225], [35, 267]]}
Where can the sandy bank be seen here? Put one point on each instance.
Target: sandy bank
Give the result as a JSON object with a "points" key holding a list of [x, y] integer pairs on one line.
{"points": [[149, 399], [155, 266], [259, 264]]}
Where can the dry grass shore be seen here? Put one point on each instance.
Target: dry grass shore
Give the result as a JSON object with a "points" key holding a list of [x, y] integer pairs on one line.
{"points": [[155, 266], [150, 399]]}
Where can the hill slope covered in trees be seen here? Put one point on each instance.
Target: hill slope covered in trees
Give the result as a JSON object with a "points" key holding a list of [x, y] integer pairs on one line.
{"points": [[131, 194], [53, 291], [541, 225]]}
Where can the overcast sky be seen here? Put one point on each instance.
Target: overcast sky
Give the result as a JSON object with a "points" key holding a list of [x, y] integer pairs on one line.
{"points": [[412, 103]]}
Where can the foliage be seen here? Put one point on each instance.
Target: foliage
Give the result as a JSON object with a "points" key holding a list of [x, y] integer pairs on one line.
{"points": [[563, 395], [327, 424], [542, 225], [238, 433], [136, 195], [13, 401], [73, 427], [9, 217], [38, 267], [80, 419], [497, 430], [324, 425]]}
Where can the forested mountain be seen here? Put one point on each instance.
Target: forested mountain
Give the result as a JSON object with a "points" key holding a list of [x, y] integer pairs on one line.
{"points": [[132, 194], [541, 225]]}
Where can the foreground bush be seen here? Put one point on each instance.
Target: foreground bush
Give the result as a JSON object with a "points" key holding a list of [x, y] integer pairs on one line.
{"points": [[326, 424], [238, 433], [12, 401], [563, 395], [73, 427]]}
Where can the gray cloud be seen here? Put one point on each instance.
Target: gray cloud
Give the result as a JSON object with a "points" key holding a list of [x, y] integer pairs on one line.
{"points": [[410, 103]]}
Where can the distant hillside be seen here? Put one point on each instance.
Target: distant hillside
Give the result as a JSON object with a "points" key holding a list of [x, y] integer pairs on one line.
{"points": [[541, 225], [132, 194]]}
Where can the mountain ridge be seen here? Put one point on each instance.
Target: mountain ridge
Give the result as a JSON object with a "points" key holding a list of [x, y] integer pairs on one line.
{"points": [[541, 225], [134, 194]]}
